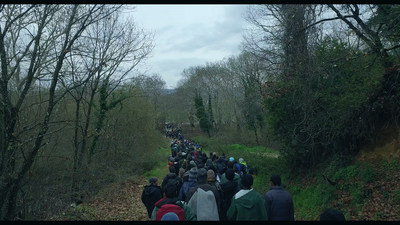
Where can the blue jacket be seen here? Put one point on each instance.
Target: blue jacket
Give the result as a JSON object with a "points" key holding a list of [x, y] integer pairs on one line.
{"points": [[185, 189], [279, 204]]}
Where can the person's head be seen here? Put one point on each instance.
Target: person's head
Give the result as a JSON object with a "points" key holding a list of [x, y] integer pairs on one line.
{"points": [[209, 163], [153, 181], [332, 215], [210, 176], [170, 216], [171, 190], [185, 176], [193, 174], [276, 180], [246, 181], [172, 169], [241, 160], [184, 164], [229, 174], [202, 176], [231, 159]]}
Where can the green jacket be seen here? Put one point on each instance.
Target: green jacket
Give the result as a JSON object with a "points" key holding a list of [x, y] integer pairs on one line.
{"points": [[247, 205], [189, 215], [236, 178]]}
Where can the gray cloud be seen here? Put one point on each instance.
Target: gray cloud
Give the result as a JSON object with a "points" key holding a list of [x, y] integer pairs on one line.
{"points": [[188, 36]]}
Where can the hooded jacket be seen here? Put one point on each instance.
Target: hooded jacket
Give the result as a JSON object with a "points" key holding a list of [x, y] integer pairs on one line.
{"points": [[150, 195], [247, 205], [185, 188]]}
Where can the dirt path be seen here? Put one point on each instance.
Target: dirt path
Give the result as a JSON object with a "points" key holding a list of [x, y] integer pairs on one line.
{"points": [[118, 202]]}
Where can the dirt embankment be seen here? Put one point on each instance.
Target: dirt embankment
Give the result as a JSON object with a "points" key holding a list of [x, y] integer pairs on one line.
{"points": [[118, 202]]}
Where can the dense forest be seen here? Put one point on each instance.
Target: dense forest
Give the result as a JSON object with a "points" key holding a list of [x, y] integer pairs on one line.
{"points": [[315, 82]]}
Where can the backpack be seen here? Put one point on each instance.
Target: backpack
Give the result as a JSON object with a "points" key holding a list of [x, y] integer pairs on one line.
{"points": [[170, 208], [243, 168], [239, 168]]}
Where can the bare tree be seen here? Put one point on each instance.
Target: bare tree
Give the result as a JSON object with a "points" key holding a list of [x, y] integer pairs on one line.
{"points": [[34, 42]]}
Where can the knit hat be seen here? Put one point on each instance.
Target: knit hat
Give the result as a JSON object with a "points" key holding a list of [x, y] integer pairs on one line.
{"points": [[229, 174], [231, 159], [209, 163], [193, 173], [170, 217], [201, 174], [247, 180], [210, 175], [153, 180]]}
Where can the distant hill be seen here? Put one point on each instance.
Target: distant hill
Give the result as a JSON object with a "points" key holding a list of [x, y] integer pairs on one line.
{"points": [[168, 91]]}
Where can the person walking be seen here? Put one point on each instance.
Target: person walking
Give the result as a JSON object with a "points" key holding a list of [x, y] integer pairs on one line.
{"points": [[170, 208], [212, 180], [247, 204], [278, 202], [230, 165], [204, 199], [192, 182], [227, 191], [151, 194]]}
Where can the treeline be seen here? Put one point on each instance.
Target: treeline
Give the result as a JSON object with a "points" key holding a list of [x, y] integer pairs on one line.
{"points": [[71, 120], [322, 80]]}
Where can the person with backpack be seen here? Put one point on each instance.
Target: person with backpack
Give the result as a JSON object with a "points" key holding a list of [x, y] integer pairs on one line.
{"points": [[192, 182], [247, 204], [278, 202], [227, 191], [171, 176], [170, 208], [151, 194], [204, 199], [243, 166]]}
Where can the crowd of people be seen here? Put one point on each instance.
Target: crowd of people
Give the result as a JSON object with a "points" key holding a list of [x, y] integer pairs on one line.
{"points": [[218, 188]]}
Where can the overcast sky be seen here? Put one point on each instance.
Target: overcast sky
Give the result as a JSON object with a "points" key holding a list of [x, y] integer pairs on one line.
{"points": [[189, 35]]}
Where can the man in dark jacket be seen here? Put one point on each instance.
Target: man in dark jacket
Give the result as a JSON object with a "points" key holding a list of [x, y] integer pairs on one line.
{"points": [[227, 191], [171, 176], [151, 194], [278, 202]]}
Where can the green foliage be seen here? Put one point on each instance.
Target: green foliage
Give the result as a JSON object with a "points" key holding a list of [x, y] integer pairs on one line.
{"points": [[202, 115], [367, 173], [357, 194], [387, 18], [346, 173], [310, 201], [396, 196], [319, 117], [159, 170]]}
